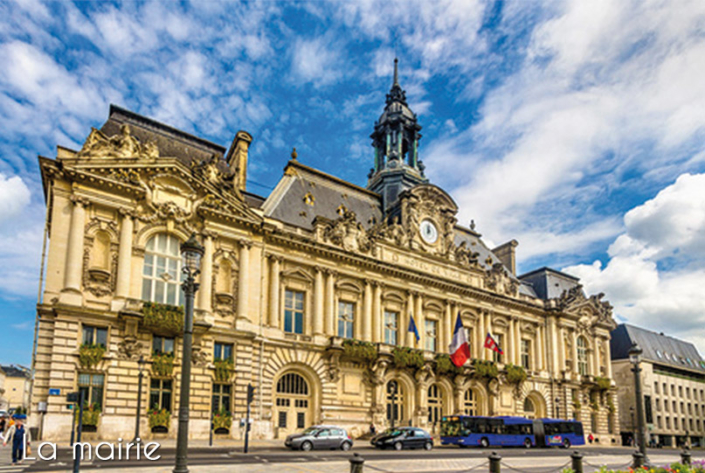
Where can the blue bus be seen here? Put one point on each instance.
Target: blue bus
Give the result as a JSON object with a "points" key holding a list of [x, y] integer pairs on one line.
{"points": [[506, 431]]}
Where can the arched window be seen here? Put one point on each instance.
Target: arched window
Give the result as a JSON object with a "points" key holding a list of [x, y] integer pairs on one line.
{"points": [[470, 403], [395, 402], [293, 402], [161, 273], [529, 409], [582, 357]]}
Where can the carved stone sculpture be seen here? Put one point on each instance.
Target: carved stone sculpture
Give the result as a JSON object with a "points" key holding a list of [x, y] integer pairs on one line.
{"points": [[123, 145], [129, 348]]}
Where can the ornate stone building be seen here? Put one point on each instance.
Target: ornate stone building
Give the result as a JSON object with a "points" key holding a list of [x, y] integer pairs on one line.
{"points": [[306, 294]]}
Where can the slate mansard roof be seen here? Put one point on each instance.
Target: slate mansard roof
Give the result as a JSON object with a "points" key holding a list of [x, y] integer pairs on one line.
{"points": [[658, 348]]}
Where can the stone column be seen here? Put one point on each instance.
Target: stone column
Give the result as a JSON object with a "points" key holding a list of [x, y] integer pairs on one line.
{"points": [[318, 294], [608, 361], [409, 337], [540, 347], [330, 304], [122, 285], [479, 336], [509, 351], [367, 312], [206, 290], [596, 357], [447, 326], [420, 323], [377, 315], [574, 337], [74, 255], [242, 293], [556, 347], [517, 342], [274, 290]]}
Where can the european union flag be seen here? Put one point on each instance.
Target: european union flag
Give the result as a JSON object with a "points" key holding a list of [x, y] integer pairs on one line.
{"points": [[412, 327]]}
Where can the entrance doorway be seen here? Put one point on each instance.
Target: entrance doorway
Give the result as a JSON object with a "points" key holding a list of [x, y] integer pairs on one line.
{"points": [[292, 404], [395, 403]]}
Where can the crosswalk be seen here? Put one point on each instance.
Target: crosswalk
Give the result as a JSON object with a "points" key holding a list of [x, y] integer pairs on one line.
{"points": [[6, 465]]}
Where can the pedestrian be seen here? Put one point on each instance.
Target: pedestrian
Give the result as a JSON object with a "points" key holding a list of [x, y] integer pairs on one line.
{"points": [[3, 425], [373, 429], [17, 435], [590, 438]]}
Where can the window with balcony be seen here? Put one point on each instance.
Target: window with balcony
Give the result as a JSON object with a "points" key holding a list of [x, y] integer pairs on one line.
{"points": [[160, 394], [496, 357], [391, 327], [526, 354], [346, 319], [161, 272], [294, 311], [95, 336], [431, 334], [162, 345], [222, 351], [582, 356], [91, 385]]}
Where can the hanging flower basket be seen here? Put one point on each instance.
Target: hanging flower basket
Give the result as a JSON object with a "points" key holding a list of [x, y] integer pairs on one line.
{"points": [[162, 364], [485, 369], [89, 354], [163, 318], [224, 370], [359, 350], [516, 374], [91, 415], [405, 357], [222, 420], [159, 418]]}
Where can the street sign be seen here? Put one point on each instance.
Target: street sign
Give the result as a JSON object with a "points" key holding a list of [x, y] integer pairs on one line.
{"points": [[54, 391]]}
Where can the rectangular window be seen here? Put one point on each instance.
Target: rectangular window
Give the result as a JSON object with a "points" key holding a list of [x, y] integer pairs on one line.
{"points": [[687, 393], [221, 397], [162, 344], [91, 385], [222, 351], [673, 390], [282, 419], [346, 319], [665, 406], [431, 334], [680, 391], [300, 420], [658, 421], [690, 422], [656, 387], [294, 311], [647, 410], [665, 391], [668, 422], [95, 336], [675, 407], [526, 354], [658, 404], [391, 327], [675, 423], [499, 338], [160, 394]]}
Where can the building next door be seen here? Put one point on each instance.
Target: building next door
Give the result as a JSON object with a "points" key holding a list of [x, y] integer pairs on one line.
{"points": [[292, 404]]}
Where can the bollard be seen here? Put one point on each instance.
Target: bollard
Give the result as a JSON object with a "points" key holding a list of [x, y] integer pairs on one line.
{"points": [[638, 459], [357, 463], [577, 461], [685, 457], [495, 463]]}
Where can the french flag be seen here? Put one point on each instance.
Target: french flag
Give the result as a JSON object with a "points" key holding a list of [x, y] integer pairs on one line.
{"points": [[459, 348]]}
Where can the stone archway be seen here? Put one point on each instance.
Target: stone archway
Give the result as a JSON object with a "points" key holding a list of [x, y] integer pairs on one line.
{"points": [[534, 406]]}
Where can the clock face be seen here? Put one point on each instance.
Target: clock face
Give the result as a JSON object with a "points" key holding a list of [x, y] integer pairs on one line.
{"points": [[429, 233]]}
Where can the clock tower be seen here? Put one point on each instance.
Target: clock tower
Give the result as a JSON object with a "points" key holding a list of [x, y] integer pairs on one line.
{"points": [[395, 141]]}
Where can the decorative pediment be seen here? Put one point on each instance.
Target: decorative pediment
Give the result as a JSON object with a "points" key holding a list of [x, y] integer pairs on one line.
{"points": [[589, 310], [297, 273], [122, 145]]}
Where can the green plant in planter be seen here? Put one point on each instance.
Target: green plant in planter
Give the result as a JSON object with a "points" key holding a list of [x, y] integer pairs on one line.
{"points": [[224, 369], [91, 415], [603, 384], [158, 417], [90, 354], [444, 365], [485, 369], [516, 374], [163, 317], [222, 419], [407, 357], [360, 350], [162, 364]]}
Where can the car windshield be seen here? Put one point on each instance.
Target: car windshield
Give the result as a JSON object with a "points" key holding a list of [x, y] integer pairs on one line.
{"points": [[311, 430]]}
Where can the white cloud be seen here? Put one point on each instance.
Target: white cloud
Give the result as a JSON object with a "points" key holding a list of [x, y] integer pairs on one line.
{"points": [[316, 60], [654, 276], [14, 197]]}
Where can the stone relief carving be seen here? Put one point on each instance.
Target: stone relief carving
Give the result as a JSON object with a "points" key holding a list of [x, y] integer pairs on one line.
{"points": [[123, 145], [591, 309], [348, 233], [129, 348], [100, 279], [199, 356], [497, 279]]}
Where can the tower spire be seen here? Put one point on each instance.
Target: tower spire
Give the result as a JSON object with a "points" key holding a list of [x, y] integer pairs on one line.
{"points": [[396, 72]]}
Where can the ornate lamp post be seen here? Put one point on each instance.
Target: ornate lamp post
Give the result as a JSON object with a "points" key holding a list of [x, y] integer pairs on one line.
{"points": [[140, 365], [557, 403], [191, 252], [640, 458]]}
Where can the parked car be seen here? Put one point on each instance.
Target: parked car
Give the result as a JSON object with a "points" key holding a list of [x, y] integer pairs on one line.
{"points": [[320, 437], [403, 437]]}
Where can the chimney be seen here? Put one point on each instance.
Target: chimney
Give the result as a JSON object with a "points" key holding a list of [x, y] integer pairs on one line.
{"points": [[237, 158], [507, 255]]}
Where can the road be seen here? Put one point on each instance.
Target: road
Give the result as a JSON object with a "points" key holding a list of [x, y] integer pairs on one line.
{"points": [[440, 459]]}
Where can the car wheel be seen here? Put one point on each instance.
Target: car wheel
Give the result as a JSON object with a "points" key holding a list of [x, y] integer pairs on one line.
{"points": [[484, 443], [345, 446], [566, 443], [398, 446], [428, 446], [306, 446], [527, 443]]}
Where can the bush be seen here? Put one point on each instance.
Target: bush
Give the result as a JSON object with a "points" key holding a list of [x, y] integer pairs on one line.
{"points": [[603, 384], [162, 364], [159, 417], [516, 374], [674, 468], [224, 370], [485, 369], [360, 350], [222, 419], [163, 317], [407, 357], [90, 354], [444, 365]]}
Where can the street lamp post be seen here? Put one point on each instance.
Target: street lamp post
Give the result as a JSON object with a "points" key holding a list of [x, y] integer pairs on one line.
{"points": [[558, 408], [191, 252], [635, 358], [140, 364]]}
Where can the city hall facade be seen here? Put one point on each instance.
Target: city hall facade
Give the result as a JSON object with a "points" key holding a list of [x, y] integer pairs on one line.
{"points": [[306, 294]]}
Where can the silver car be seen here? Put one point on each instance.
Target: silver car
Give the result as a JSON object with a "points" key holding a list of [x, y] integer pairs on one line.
{"points": [[320, 437]]}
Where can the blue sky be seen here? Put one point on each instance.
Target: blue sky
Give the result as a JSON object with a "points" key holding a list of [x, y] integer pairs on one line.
{"points": [[574, 127]]}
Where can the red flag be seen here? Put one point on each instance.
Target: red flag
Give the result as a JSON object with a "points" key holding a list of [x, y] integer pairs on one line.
{"points": [[492, 344], [459, 347]]}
